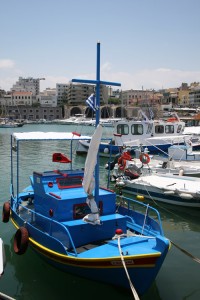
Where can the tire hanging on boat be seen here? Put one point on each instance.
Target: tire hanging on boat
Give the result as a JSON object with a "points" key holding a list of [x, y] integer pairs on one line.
{"points": [[21, 240], [6, 212], [144, 158]]}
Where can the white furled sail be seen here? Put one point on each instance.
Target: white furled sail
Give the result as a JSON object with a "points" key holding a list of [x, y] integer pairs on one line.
{"points": [[88, 179]]}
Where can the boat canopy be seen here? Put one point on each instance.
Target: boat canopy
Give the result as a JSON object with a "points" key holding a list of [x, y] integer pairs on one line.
{"points": [[38, 135]]}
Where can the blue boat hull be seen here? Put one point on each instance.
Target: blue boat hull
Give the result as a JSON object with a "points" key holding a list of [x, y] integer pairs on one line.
{"points": [[142, 268]]}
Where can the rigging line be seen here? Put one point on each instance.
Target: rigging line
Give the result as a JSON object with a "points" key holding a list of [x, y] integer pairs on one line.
{"points": [[136, 297], [178, 247], [186, 252], [6, 297]]}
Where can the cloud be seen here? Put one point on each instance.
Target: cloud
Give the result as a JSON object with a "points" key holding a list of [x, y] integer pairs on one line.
{"points": [[6, 63], [153, 78], [160, 78], [51, 81]]}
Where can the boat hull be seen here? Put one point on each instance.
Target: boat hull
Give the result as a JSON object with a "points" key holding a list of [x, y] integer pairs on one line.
{"points": [[106, 148], [142, 268], [182, 197]]}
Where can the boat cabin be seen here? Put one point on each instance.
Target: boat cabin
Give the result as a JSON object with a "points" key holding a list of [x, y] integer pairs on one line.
{"points": [[59, 195], [144, 128]]}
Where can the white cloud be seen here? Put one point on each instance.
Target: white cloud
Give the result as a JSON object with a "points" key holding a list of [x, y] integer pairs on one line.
{"points": [[51, 81], [147, 78], [153, 78], [6, 63]]}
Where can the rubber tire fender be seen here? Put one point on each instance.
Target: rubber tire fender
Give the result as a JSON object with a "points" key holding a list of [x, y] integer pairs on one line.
{"points": [[6, 212], [21, 240]]}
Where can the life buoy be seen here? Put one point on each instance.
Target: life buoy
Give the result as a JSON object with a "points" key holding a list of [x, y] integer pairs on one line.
{"points": [[6, 212], [144, 158], [21, 239]]}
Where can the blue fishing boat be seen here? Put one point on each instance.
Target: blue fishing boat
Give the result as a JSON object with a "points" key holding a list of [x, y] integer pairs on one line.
{"points": [[78, 226]]}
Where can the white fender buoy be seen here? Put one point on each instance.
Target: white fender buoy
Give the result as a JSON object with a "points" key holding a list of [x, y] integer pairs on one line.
{"points": [[168, 192], [106, 150], [181, 172], [186, 196]]}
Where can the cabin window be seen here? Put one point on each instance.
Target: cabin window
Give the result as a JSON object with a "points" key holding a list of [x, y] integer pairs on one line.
{"points": [[169, 129], [69, 182], [122, 129], [159, 129], [179, 128], [137, 129], [82, 209]]}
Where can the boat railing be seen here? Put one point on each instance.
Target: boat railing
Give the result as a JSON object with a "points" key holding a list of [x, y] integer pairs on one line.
{"points": [[141, 215], [47, 226]]}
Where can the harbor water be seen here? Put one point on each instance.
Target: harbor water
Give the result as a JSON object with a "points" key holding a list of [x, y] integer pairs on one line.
{"points": [[28, 277]]}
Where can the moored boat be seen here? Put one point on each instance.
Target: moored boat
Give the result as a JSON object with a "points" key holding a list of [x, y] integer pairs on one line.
{"points": [[155, 135], [167, 188], [142, 163], [80, 227], [5, 123]]}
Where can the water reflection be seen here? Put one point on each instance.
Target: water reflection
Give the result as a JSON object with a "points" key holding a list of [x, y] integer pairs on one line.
{"points": [[29, 277]]}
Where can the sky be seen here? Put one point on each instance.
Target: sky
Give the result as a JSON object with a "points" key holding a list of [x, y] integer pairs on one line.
{"points": [[144, 44]]}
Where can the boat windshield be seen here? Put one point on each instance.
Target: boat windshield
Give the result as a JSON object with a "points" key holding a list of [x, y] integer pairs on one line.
{"points": [[123, 129]]}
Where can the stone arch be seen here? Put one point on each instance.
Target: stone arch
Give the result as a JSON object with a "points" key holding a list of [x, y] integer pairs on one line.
{"points": [[75, 110], [89, 113], [106, 112], [120, 112]]}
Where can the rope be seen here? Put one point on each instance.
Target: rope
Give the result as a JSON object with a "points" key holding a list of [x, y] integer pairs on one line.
{"points": [[136, 297], [6, 297], [187, 253], [178, 247]]}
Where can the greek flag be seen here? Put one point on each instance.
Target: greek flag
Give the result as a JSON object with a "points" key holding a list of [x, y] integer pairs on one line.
{"points": [[91, 102]]}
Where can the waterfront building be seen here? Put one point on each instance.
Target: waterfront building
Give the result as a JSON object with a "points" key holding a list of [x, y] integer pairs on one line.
{"points": [[21, 98], [194, 96], [48, 98], [29, 84], [31, 113]]}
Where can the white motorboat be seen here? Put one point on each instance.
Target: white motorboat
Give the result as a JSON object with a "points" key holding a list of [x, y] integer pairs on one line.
{"points": [[156, 135], [166, 188], [144, 164]]}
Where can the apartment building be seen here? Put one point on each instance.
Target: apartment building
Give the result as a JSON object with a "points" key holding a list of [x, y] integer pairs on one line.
{"points": [[29, 84]]}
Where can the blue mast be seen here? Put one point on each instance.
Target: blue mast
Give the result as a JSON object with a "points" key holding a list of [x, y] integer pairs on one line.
{"points": [[97, 82]]}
